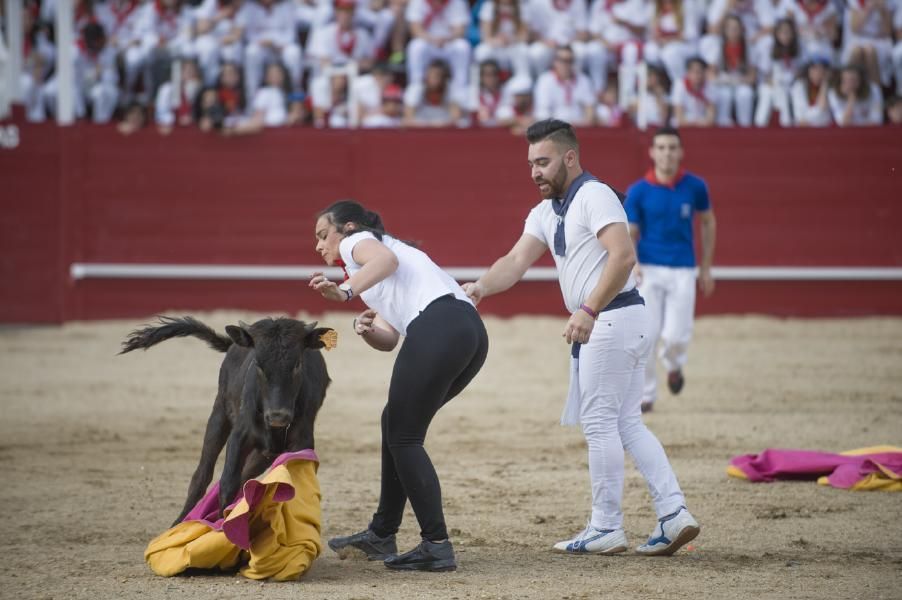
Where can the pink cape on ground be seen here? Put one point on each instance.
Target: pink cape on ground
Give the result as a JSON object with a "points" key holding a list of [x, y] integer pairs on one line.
{"points": [[867, 468]]}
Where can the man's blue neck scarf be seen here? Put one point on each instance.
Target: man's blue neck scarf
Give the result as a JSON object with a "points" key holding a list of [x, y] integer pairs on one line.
{"points": [[561, 206]]}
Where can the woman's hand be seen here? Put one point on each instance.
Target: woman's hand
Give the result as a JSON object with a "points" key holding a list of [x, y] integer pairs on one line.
{"points": [[328, 289], [364, 322]]}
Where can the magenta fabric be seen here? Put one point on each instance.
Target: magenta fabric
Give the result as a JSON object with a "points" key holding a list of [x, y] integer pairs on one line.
{"points": [[207, 509], [842, 471]]}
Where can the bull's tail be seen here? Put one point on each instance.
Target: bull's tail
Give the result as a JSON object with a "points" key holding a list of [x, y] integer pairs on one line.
{"points": [[171, 327]]}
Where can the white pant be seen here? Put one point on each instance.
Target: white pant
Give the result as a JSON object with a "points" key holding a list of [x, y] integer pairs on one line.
{"points": [[514, 57], [456, 53], [669, 294], [256, 57], [772, 97], [727, 96], [606, 389]]}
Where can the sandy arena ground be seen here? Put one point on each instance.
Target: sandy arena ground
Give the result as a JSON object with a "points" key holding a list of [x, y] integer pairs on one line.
{"points": [[96, 451]]}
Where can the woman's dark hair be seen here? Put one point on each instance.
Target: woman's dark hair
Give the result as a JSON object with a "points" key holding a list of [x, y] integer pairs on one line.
{"points": [[790, 51], [864, 84], [349, 211], [743, 58]]}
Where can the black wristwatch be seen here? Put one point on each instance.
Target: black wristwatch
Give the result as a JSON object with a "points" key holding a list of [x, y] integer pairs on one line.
{"points": [[346, 288]]}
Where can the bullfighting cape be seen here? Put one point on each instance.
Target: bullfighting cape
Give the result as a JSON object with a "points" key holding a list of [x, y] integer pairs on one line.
{"points": [[272, 530]]}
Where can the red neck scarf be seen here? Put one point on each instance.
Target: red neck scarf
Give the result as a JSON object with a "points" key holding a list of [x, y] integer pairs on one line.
{"points": [[436, 7], [166, 14], [568, 86], [121, 11], [696, 93], [813, 92], [229, 99], [813, 11], [435, 97], [734, 56], [346, 41], [341, 263], [490, 100]]}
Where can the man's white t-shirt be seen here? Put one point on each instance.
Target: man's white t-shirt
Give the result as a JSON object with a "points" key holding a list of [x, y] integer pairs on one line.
{"points": [[593, 208], [403, 295]]}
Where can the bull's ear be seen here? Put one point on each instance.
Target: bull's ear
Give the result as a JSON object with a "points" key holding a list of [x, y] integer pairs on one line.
{"points": [[240, 336], [321, 337]]}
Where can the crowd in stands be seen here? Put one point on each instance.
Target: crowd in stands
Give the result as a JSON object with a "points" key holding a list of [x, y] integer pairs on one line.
{"points": [[239, 66]]}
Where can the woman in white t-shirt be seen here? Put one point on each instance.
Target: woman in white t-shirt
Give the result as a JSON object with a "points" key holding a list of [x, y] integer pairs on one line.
{"points": [[270, 105], [855, 101], [445, 345]]}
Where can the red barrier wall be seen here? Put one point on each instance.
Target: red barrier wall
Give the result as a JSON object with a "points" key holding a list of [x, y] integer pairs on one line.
{"points": [[86, 194]]}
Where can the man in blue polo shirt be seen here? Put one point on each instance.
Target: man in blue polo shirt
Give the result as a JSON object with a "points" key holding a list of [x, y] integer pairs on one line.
{"points": [[660, 208]]}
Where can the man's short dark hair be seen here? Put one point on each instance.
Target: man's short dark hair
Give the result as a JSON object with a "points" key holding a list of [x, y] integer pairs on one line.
{"points": [[559, 132], [666, 131]]}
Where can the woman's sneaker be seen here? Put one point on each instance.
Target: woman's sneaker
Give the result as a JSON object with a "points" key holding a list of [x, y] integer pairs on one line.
{"points": [[375, 547], [671, 533], [594, 541], [428, 556]]}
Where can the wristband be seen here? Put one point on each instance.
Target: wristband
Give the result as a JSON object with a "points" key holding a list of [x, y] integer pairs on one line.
{"points": [[589, 311]]}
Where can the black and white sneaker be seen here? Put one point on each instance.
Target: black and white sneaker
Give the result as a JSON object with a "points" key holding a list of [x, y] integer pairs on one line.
{"points": [[375, 547]]}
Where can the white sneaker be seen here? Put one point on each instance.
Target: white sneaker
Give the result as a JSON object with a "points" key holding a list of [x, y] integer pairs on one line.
{"points": [[594, 541], [672, 533]]}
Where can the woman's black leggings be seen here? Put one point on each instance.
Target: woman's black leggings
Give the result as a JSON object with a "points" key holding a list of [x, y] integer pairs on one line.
{"points": [[445, 347]]}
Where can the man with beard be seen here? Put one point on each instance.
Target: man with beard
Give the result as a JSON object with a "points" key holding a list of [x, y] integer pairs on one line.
{"points": [[584, 223]]}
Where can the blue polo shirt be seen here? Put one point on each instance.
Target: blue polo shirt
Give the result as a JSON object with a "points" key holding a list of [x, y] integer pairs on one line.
{"points": [[664, 214]]}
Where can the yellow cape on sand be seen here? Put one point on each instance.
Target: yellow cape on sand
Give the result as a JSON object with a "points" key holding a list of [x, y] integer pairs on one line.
{"points": [[884, 481], [284, 534]]}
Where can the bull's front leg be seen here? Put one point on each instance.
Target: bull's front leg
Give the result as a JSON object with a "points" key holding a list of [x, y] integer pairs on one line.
{"points": [[237, 449], [215, 437]]}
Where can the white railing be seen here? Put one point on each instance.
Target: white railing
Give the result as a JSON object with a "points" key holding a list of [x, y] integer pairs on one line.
{"points": [[275, 272]]}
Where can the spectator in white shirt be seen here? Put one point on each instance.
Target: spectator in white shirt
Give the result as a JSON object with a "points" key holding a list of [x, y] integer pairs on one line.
{"points": [[341, 41], [504, 35], [556, 23], [777, 71], [654, 106], [390, 112], [734, 76], [817, 23], [120, 21], [608, 113], [271, 36], [368, 89], [809, 94], [176, 99], [854, 100], [437, 29], [486, 95], [436, 102], [620, 27], [95, 74], [673, 35], [693, 97], [758, 18], [270, 104], [516, 109], [563, 93], [164, 30], [868, 38], [219, 31], [38, 58]]}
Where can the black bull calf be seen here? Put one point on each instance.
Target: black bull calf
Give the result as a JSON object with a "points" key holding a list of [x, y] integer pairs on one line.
{"points": [[271, 385]]}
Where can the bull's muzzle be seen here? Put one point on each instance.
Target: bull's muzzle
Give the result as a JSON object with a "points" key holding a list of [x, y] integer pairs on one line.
{"points": [[278, 418]]}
